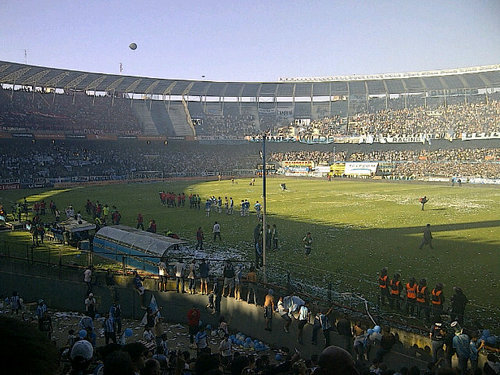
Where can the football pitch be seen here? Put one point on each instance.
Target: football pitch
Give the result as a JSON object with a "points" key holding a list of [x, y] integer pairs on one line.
{"points": [[358, 227]]}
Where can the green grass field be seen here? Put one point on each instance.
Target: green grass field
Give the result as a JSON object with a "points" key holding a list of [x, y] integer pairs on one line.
{"points": [[358, 227]]}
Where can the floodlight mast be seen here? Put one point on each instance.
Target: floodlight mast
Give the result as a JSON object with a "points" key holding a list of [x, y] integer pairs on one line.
{"points": [[264, 229]]}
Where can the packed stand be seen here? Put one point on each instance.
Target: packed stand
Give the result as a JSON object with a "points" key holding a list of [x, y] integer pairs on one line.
{"points": [[115, 160], [442, 122], [480, 162], [226, 126]]}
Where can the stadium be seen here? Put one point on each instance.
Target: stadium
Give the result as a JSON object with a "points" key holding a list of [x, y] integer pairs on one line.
{"points": [[347, 159]]}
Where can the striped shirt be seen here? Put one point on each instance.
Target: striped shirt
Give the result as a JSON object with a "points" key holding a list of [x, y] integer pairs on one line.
{"points": [[109, 325]]}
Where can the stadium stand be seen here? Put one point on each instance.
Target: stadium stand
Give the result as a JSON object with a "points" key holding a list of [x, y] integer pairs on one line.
{"points": [[437, 103]]}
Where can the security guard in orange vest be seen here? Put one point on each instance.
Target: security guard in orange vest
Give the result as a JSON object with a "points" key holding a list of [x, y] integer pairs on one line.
{"points": [[395, 288], [411, 296], [383, 283], [437, 299], [423, 299]]}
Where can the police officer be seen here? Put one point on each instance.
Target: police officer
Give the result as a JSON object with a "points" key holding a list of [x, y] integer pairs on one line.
{"points": [[383, 283], [411, 296], [395, 289], [423, 299], [437, 299]]}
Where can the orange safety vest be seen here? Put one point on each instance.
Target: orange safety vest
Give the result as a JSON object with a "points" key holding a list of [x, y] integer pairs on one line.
{"points": [[436, 297], [382, 282], [395, 287], [421, 294], [411, 291]]}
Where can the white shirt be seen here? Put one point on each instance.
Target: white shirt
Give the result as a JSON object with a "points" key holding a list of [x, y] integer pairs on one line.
{"points": [[162, 268], [216, 228], [179, 269], [281, 308], [87, 275], [303, 313], [89, 301]]}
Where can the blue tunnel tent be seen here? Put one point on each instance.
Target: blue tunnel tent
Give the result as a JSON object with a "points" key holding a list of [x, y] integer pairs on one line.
{"points": [[132, 246]]}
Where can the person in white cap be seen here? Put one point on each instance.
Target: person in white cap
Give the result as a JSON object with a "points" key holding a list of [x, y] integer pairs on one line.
{"points": [[81, 356], [461, 344]]}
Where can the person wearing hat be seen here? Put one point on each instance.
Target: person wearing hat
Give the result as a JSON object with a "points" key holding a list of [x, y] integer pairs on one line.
{"points": [[81, 356], [449, 352], [461, 344], [395, 288], [437, 335], [437, 299], [411, 296], [423, 299], [383, 284], [268, 309]]}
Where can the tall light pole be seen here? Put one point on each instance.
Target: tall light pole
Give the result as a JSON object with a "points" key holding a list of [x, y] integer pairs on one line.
{"points": [[264, 229]]}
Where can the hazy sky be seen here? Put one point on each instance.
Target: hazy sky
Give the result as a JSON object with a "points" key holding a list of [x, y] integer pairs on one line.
{"points": [[253, 40]]}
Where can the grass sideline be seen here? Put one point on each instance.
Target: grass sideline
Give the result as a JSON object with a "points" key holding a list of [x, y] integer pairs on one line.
{"points": [[358, 227]]}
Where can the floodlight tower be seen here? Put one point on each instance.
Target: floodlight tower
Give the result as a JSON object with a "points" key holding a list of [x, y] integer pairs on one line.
{"points": [[264, 202]]}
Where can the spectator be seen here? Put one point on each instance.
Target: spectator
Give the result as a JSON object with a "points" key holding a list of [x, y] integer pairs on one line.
{"points": [[203, 270], [335, 361], [269, 309], [87, 278], [192, 277], [303, 320], [90, 305], [229, 275], [193, 316], [345, 331], [179, 275], [216, 231], [251, 280]]}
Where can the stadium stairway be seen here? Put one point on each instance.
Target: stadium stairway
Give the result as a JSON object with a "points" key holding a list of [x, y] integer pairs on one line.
{"points": [[160, 116], [141, 111], [179, 119]]}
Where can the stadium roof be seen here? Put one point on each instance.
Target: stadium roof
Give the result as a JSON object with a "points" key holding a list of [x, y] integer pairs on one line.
{"points": [[150, 243], [400, 83]]}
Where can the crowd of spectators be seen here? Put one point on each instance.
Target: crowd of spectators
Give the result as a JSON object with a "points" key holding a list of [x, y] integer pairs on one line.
{"points": [[227, 126], [28, 160], [442, 122], [113, 349], [72, 113], [480, 162], [80, 113], [440, 155]]}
